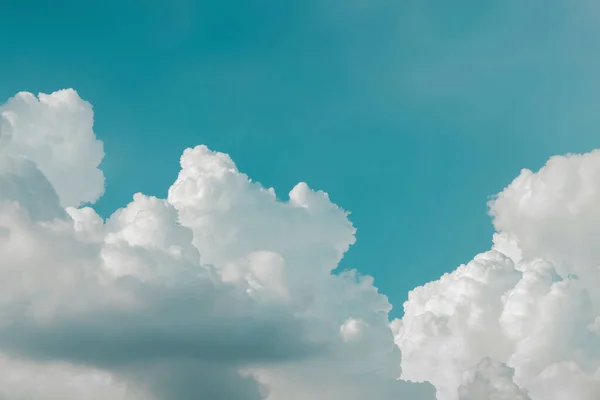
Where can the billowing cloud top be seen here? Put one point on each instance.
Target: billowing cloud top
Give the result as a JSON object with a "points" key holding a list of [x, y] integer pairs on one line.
{"points": [[221, 291], [55, 133], [521, 321]]}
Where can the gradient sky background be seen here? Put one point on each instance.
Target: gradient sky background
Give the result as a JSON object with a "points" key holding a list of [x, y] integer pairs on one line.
{"points": [[410, 114]]}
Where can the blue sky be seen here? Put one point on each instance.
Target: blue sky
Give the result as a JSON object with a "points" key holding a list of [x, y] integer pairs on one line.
{"points": [[409, 114]]}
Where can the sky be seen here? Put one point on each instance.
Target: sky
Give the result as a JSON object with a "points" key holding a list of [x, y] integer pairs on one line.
{"points": [[411, 116]]}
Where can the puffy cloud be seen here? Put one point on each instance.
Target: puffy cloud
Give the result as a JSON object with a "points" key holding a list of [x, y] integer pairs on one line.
{"points": [[223, 290], [491, 380], [55, 132], [220, 291], [529, 305]]}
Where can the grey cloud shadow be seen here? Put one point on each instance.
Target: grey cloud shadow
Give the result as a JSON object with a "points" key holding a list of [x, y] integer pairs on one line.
{"points": [[183, 324]]}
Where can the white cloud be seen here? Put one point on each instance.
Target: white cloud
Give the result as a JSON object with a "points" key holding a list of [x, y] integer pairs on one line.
{"points": [[55, 132], [221, 291], [532, 310], [490, 380], [224, 291]]}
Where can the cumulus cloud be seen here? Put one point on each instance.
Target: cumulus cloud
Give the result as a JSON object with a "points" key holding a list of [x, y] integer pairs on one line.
{"points": [[490, 380], [224, 291], [220, 291], [521, 320], [55, 132]]}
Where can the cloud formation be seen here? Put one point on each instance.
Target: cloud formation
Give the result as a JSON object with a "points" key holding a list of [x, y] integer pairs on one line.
{"points": [[520, 321], [220, 291], [224, 291]]}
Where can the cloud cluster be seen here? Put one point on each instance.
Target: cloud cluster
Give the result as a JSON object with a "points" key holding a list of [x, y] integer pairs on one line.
{"points": [[224, 291], [221, 291], [521, 321]]}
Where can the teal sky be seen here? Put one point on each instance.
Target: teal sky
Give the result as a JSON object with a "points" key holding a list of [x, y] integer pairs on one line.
{"points": [[410, 114]]}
